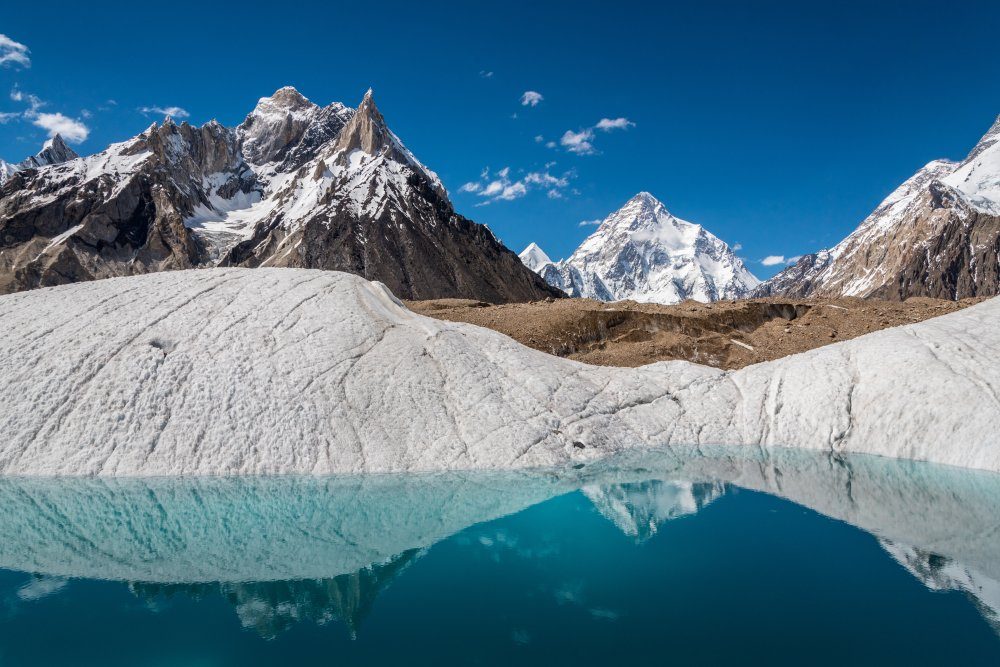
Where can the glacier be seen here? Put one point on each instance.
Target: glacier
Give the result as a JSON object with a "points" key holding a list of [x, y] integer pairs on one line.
{"points": [[297, 371]]}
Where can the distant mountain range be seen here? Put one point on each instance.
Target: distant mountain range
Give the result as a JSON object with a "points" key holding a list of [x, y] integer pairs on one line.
{"points": [[937, 235], [299, 185], [294, 185], [642, 252]]}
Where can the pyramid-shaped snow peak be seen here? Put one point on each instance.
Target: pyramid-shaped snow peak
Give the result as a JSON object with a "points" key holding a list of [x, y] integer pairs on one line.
{"points": [[644, 253], [534, 257]]}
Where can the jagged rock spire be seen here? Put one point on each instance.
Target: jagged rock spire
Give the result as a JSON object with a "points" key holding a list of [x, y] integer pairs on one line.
{"points": [[367, 131]]}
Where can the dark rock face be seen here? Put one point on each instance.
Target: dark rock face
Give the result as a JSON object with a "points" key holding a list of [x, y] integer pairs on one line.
{"points": [[961, 260], [947, 252], [294, 185]]}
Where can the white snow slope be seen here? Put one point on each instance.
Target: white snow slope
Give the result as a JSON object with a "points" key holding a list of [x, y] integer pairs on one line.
{"points": [[261, 371], [534, 257], [644, 253]]}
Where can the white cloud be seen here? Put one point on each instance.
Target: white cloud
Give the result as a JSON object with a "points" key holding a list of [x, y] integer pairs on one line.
{"points": [[582, 142], [13, 53], [34, 103], [608, 124], [539, 138], [500, 186], [530, 98], [485, 74], [550, 144], [589, 223], [71, 129], [7, 116], [772, 260], [579, 142], [737, 247], [175, 112]]}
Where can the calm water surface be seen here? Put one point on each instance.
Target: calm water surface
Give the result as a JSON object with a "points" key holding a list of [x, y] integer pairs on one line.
{"points": [[664, 558]]}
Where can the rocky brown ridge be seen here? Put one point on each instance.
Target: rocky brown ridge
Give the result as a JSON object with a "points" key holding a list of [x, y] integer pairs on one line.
{"points": [[724, 334]]}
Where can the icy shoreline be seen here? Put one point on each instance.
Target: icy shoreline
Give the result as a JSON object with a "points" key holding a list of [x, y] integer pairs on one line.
{"points": [[292, 371]]}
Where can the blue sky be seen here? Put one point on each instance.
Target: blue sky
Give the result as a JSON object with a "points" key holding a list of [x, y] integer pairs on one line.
{"points": [[777, 126]]}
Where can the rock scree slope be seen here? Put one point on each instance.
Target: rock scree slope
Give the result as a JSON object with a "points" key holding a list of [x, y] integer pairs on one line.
{"points": [[269, 371], [724, 334]]}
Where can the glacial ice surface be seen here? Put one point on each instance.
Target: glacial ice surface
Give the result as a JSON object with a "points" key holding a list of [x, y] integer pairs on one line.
{"points": [[282, 371]]}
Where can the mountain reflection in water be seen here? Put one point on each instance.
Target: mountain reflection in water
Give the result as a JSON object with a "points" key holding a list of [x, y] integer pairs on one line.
{"points": [[288, 551]]}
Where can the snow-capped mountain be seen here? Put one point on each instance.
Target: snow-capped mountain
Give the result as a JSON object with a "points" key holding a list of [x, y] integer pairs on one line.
{"points": [[639, 509], [53, 151], [534, 257], [644, 253], [937, 234], [294, 185]]}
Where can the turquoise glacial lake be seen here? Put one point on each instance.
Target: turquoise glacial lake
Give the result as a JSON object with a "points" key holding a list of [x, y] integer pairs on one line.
{"points": [[771, 557]]}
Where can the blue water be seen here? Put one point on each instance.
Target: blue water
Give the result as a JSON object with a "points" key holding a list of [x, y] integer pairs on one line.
{"points": [[834, 563]]}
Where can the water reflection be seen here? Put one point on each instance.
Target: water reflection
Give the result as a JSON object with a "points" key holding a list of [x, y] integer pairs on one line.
{"points": [[639, 508], [271, 607], [284, 551]]}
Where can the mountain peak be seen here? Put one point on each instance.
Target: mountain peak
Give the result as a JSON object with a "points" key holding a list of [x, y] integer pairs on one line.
{"points": [[977, 178], [275, 125], [55, 150], [534, 257], [367, 130], [644, 201], [644, 197], [642, 252], [643, 211], [287, 96], [55, 142]]}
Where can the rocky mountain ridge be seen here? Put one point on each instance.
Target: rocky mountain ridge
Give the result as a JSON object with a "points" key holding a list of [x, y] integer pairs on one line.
{"points": [[294, 185], [936, 235], [53, 151]]}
